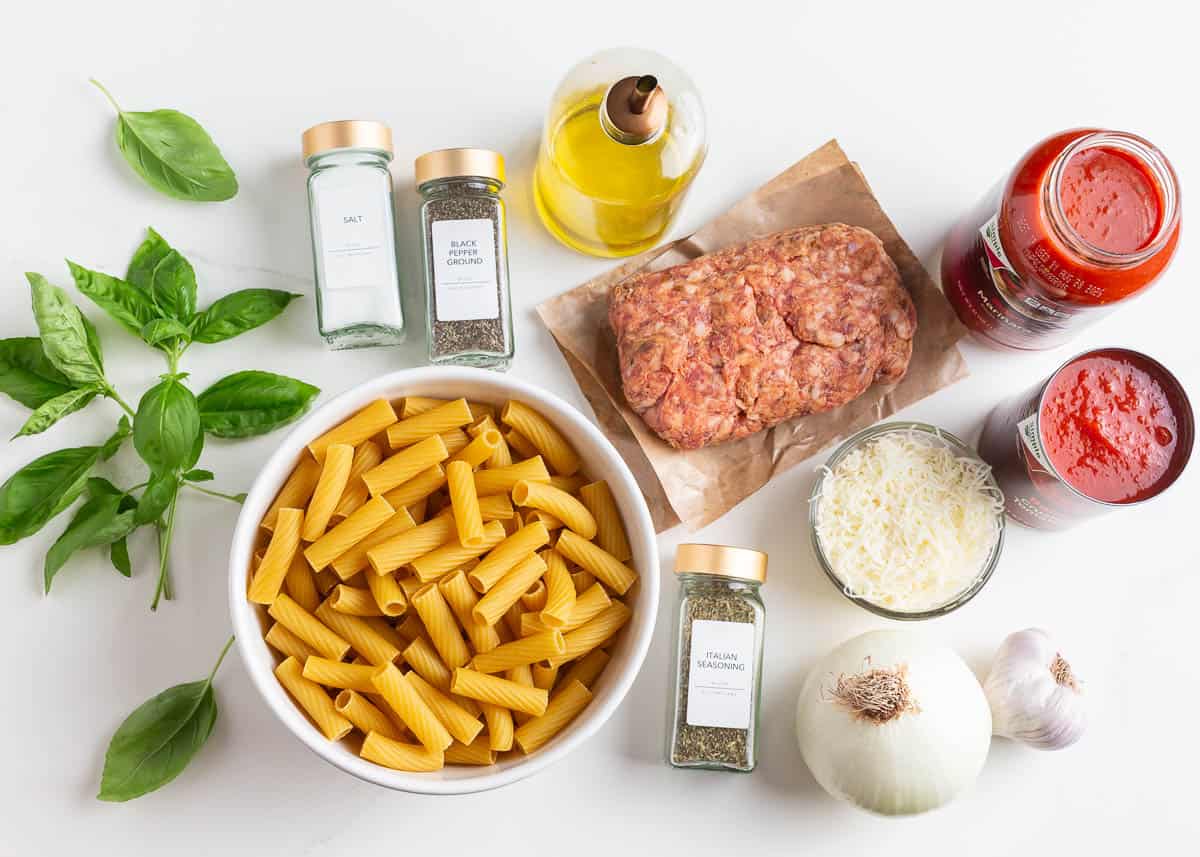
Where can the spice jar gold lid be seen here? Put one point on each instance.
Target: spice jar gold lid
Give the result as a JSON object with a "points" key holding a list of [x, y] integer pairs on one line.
{"points": [[346, 134], [722, 561], [452, 163]]}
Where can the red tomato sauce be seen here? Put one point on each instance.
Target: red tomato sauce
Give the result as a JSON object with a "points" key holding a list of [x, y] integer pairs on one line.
{"points": [[1110, 200], [1109, 427]]}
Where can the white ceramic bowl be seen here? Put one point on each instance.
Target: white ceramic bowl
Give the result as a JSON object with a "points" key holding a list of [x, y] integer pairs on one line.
{"points": [[601, 461]]}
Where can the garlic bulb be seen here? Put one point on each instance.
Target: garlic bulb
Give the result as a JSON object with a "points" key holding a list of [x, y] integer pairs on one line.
{"points": [[894, 723], [1035, 698]]}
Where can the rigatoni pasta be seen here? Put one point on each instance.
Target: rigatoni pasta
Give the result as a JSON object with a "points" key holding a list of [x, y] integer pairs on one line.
{"points": [[441, 547]]}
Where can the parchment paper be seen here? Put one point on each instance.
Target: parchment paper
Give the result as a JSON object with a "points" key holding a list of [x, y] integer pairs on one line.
{"points": [[697, 487]]}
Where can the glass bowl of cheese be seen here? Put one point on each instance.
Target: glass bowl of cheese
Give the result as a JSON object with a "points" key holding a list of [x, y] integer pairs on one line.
{"points": [[907, 520]]}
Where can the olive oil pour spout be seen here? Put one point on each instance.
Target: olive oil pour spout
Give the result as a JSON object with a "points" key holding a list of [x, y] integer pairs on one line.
{"points": [[635, 110]]}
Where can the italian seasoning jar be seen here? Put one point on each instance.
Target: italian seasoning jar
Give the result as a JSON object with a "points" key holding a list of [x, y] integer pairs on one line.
{"points": [[719, 645], [469, 312], [353, 233]]}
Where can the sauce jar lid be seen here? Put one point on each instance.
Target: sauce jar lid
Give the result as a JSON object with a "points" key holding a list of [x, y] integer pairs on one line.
{"points": [[346, 134], [721, 561], [456, 163]]}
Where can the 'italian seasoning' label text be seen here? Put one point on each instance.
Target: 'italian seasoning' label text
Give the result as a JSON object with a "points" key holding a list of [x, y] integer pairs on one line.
{"points": [[721, 680]]}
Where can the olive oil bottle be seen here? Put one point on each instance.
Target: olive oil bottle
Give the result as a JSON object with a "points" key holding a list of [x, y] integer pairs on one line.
{"points": [[623, 140]]}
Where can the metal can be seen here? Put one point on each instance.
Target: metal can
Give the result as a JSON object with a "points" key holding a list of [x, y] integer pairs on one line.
{"points": [[1110, 428]]}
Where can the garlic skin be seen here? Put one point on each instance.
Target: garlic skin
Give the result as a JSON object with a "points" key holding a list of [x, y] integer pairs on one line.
{"points": [[1034, 696]]}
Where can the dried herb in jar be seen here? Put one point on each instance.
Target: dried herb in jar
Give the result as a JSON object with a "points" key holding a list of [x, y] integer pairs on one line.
{"points": [[719, 651]]}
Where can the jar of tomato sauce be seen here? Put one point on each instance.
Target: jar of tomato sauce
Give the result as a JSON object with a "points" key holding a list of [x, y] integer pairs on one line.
{"points": [[1087, 219], [1110, 428]]}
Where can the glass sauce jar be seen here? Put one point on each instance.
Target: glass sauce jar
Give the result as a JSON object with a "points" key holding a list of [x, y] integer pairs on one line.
{"points": [[1087, 218], [718, 650]]}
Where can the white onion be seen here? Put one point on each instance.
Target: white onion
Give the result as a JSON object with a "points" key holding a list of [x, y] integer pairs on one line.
{"points": [[893, 723]]}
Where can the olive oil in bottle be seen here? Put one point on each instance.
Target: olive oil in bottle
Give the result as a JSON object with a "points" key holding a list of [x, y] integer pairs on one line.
{"points": [[618, 152]]}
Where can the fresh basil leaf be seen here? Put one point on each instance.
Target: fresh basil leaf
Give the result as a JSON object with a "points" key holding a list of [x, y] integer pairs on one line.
{"points": [[250, 403], [238, 312], [173, 287], [54, 410], [199, 476], [98, 486], [166, 426], [157, 496], [41, 489], [173, 154], [118, 555], [27, 375], [115, 441], [145, 259], [126, 303], [158, 740], [99, 521], [197, 449], [67, 338], [162, 329]]}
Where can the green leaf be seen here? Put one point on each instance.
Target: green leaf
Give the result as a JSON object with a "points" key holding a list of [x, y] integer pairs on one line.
{"points": [[173, 287], [118, 555], [98, 486], [54, 410], [99, 521], [145, 259], [115, 441], [126, 303], [166, 426], [197, 449], [158, 740], [162, 329], [199, 476], [250, 403], [238, 312], [173, 154], [27, 375], [157, 496], [67, 338], [118, 551], [43, 488]]}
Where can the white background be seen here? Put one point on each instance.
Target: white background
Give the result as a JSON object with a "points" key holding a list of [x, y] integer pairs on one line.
{"points": [[935, 103]]}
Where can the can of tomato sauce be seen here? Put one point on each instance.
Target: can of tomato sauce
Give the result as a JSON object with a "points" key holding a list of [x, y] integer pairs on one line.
{"points": [[1087, 219], [1110, 428]]}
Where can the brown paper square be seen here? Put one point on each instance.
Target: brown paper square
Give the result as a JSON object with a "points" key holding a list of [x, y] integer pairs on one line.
{"points": [[697, 487]]}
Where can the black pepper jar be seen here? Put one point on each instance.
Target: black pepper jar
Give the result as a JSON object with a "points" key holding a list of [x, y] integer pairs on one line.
{"points": [[718, 649], [469, 310]]}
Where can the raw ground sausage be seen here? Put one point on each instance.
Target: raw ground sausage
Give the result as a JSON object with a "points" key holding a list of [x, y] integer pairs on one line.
{"points": [[734, 342]]}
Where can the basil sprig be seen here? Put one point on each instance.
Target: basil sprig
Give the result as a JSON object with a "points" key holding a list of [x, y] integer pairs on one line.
{"points": [[173, 154], [158, 740]]}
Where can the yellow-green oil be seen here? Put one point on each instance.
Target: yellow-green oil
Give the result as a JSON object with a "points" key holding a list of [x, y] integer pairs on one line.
{"points": [[604, 197]]}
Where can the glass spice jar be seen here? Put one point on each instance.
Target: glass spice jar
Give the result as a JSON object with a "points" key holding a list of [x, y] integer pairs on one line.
{"points": [[469, 312], [353, 233], [718, 649]]}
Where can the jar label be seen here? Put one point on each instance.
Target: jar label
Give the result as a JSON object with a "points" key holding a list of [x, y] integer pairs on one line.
{"points": [[1031, 436], [356, 236], [464, 269], [721, 674], [1009, 284]]}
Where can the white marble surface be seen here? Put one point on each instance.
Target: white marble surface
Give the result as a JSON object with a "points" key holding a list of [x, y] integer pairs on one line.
{"points": [[935, 102]]}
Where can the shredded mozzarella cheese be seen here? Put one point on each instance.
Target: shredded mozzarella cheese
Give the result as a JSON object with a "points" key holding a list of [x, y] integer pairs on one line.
{"points": [[906, 524]]}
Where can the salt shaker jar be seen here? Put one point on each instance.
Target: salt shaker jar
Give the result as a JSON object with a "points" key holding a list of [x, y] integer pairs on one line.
{"points": [[718, 649], [353, 233], [469, 312]]}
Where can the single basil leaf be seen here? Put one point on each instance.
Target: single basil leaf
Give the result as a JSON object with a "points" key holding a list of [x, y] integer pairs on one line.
{"points": [[99, 521], [114, 442], [118, 554], [166, 426], [197, 449], [238, 312], [158, 740], [157, 496], [145, 259], [93, 342], [41, 489], [54, 410], [67, 338], [162, 329], [173, 154], [199, 476], [27, 375], [98, 486], [126, 303], [250, 403], [173, 287]]}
